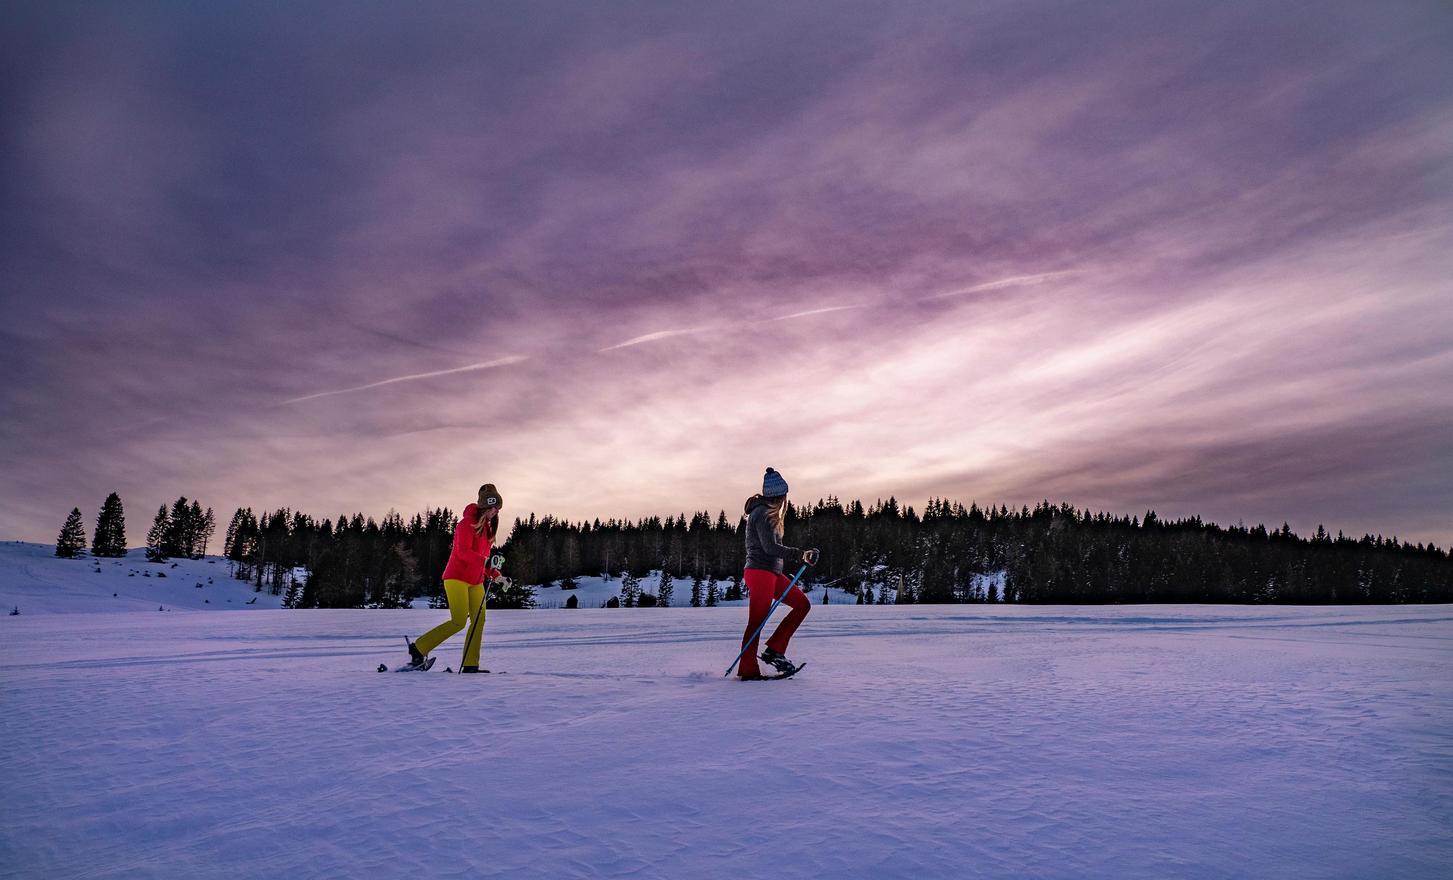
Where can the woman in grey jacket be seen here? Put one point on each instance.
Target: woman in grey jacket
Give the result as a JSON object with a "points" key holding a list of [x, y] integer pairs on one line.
{"points": [[765, 580]]}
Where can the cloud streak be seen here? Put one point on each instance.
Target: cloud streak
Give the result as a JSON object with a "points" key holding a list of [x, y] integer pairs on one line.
{"points": [[656, 336], [1003, 283], [414, 377]]}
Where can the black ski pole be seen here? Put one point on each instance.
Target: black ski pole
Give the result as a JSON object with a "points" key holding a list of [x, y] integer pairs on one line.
{"points": [[494, 562]]}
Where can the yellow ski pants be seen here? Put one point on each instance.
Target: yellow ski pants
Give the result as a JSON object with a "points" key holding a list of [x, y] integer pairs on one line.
{"points": [[465, 600]]}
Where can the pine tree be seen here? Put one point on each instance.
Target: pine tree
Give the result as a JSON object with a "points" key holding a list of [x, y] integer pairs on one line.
{"points": [[196, 525], [294, 595], [110, 536], [176, 540], [231, 539], [696, 594], [209, 527], [904, 594], [156, 538], [72, 541], [711, 596], [664, 589]]}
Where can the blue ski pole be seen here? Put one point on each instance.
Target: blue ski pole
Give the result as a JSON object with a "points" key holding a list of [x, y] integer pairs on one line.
{"points": [[758, 631]]}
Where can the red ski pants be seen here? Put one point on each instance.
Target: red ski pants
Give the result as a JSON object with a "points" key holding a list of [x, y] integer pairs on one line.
{"points": [[765, 587]]}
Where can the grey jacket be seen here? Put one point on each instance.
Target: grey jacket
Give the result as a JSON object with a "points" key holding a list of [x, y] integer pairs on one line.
{"points": [[764, 551]]}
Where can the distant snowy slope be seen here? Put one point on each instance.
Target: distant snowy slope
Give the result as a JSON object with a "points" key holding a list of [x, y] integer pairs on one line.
{"points": [[33, 580]]}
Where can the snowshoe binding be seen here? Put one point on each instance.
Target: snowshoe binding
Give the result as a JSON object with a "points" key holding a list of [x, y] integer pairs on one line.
{"points": [[779, 661], [417, 661]]}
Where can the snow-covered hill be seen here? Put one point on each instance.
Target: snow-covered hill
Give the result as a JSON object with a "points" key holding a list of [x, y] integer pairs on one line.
{"points": [[34, 581], [919, 742]]}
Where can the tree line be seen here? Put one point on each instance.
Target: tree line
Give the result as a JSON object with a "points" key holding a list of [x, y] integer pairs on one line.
{"points": [[883, 553], [949, 553]]}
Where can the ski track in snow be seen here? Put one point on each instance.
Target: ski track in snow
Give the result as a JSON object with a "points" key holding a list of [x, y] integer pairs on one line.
{"points": [[949, 741]]}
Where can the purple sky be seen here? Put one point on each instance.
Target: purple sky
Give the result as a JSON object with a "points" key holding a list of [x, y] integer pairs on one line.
{"points": [[618, 258]]}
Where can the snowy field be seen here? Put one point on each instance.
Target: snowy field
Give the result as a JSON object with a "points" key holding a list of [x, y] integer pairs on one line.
{"points": [[949, 741]]}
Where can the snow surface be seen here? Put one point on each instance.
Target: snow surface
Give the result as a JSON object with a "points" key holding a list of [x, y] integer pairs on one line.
{"points": [[920, 741]]}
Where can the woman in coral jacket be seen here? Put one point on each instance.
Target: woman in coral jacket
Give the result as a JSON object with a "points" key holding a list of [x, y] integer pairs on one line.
{"points": [[464, 581], [765, 580]]}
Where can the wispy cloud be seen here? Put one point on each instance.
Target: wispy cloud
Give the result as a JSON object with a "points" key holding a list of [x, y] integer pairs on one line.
{"points": [[725, 327], [653, 337], [1002, 283], [414, 377], [822, 311]]}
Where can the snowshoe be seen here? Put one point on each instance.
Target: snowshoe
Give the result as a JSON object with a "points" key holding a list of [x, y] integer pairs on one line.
{"points": [[464, 669], [778, 677]]}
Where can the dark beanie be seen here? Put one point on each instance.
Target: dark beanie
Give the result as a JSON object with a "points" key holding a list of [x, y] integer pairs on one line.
{"points": [[489, 495], [773, 486]]}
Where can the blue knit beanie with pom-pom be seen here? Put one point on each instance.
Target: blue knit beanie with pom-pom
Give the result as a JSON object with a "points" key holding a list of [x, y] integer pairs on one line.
{"points": [[773, 485]]}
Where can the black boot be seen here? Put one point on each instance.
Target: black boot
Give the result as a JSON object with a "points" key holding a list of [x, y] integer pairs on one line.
{"points": [[416, 659], [472, 669], [780, 661]]}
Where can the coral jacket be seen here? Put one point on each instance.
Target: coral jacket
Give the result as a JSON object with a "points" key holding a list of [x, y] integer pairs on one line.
{"points": [[471, 552]]}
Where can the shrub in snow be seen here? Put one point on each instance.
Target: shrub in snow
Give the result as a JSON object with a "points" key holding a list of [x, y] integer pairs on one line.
{"points": [[510, 595]]}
